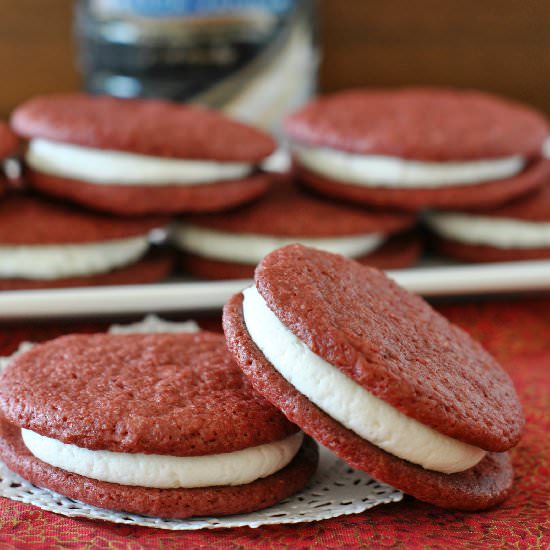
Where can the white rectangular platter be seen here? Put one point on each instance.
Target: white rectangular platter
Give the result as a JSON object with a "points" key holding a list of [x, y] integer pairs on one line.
{"points": [[448, 280]]}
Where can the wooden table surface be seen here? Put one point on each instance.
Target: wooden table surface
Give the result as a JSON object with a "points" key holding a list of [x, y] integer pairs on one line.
{"points": [[500, 46]]}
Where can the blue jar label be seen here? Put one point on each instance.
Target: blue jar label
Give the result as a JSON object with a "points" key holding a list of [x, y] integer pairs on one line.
{"points": [[181, 8]]}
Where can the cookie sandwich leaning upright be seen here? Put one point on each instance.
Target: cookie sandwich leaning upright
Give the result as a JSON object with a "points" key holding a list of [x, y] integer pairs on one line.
{"points": [[137, 156], [375, 374], [45, 244], [157, 424], [414, 148], [230, 244]]}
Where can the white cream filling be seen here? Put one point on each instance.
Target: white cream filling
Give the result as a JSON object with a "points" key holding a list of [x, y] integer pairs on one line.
{"points": [[347, 402], [163, 471], [69, 260], [394, 172], [496, 232], [119, 168], [250, 249]]}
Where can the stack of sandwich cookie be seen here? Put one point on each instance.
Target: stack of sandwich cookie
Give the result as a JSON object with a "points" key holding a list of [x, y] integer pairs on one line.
{"points": [[415, 148], [373, 373], [45, 244], [8, 146], [519, 230], [140, 156], [230, 244], [163, 425]]}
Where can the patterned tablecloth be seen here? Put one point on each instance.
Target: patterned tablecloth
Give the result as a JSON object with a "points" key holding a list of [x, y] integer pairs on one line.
{"points": [[516, 331]]}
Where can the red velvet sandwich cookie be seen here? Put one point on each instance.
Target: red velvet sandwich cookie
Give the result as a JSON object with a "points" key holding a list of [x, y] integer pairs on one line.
{"points": [[418, 147], [44, 244], [159, 424], [520, 230], [376, 375], [8, 146], [140, 156], [230, 244]]}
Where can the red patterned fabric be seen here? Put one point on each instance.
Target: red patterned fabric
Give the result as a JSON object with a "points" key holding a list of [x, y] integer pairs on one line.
{"points": [[516, 331]]}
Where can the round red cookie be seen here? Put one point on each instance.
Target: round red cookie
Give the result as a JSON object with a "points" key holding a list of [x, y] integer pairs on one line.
{"points": [[27, 219], [144, 126], [483, 486], [534, 207], [399, 251], [157, 129], [395, 346], [152, 268], [426, 124], [474, 196], [134, 200], [167, 503], [170, 394], [289, 211]]}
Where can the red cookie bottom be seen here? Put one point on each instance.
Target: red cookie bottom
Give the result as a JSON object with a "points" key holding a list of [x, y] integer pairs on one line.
{"points": [[166, 503], [477, 196], [162, 199], [485, 254], [154, 267], [397, 252], [485, 485]]}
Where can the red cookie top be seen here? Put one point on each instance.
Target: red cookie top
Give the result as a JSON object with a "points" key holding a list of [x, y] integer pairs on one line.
{"points": [[172, 394], [289, 211], [145, 126], [29, 220], [534, 207], [420, 123], [8, 141], [393, 344]]}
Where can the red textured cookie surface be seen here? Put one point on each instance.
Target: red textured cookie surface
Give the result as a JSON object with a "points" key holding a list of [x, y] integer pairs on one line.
{"points": [[172, 394], [477, 196], [534, 207], [483, 253], [164, 199], [168, 503], [152, 268], [288, 211], [8, 141], [398, 252], [420, 123], [480, 487], [393, 344], [145, 126], [32, 220]]}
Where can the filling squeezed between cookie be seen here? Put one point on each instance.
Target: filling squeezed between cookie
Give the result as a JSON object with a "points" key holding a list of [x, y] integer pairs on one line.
{"points": [[163, 471], [69, 260], [121, 168], [394, 172], [484, 230], [250, 249], [347, 402]]}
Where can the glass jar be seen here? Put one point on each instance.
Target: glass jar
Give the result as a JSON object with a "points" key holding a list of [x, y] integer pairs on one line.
{"points": [[255, 59]]}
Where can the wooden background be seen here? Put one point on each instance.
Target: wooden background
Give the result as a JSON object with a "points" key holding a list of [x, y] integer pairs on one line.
{"points": [[497, 45]]}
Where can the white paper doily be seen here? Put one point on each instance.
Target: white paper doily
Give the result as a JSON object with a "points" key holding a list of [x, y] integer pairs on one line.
{"points": [[335, 490]]}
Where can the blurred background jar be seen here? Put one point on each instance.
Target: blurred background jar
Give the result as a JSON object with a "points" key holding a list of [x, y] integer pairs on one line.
{"points": [[255, 59]]}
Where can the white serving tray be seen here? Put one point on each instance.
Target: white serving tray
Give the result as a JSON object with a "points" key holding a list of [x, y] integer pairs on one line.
{"points": [[437, 280]]}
